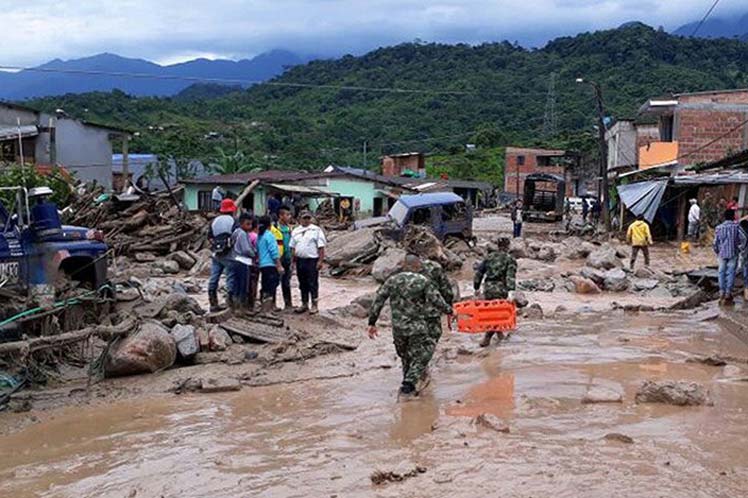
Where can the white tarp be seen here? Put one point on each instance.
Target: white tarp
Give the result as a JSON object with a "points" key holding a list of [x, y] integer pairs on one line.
{"points": [[643, 197]]}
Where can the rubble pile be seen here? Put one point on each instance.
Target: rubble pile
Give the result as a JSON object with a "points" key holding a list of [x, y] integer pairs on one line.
{"points": [[371, 251], [151, 225]]}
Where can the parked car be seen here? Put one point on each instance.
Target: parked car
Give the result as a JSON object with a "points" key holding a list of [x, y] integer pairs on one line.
{"points": [[445, 212], [36, 248]]}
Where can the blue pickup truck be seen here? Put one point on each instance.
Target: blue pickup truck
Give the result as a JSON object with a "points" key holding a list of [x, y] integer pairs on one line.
{"points": [[36, 249]]}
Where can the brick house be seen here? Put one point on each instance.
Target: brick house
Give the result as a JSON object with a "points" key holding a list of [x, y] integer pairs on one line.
{"points": [[695, 128], [396, 164], [519, 163]]}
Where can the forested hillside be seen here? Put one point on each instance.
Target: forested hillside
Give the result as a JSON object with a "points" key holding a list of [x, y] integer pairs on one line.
{"points": [[499, 99]]}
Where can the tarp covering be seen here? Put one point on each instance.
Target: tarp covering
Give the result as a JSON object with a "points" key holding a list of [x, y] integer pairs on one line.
{"points": [[643, 197]]}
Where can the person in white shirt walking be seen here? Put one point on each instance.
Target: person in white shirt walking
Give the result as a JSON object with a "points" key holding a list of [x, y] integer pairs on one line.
{"points": [[308, 246], [217, 196], [694, 218]]}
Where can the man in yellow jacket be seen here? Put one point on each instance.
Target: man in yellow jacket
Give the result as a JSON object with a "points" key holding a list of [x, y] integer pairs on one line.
{"points": [[640, 239]]}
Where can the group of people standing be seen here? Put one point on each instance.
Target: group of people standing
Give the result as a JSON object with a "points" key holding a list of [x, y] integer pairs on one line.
{"points": [[264, 251]]}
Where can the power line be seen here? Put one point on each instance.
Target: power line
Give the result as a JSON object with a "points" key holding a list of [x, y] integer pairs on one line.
{"points": [[197, 79], [706, 16]]}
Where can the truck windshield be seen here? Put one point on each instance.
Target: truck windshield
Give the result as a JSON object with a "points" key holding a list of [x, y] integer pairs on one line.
{"points": [[399, 212]]}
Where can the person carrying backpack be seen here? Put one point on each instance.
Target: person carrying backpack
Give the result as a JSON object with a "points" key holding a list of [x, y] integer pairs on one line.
{"points": [[219, 236]]}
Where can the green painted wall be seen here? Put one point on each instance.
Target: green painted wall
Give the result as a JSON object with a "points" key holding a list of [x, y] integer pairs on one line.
{"points": [[191, 194]]}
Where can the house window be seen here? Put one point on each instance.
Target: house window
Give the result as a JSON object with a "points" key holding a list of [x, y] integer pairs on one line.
{"points": [[544, 161], [520, 160], [204, 200], [666, 128]]}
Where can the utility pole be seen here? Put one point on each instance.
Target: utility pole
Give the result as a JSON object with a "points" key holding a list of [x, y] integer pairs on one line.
{"points": [[603, 146], [365, 154]]}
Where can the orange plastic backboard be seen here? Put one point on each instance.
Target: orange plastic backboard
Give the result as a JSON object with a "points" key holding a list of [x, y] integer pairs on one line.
{"points": [[475, 317]]}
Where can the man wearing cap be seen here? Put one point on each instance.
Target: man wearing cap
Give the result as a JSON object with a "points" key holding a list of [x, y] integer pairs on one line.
{"points": [[308, 246], [219, 236]]}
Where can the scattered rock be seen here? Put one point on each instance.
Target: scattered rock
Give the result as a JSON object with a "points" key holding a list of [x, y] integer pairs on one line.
{"points": [[534, 312], [387, 264], [546, 253], [182, 303], [518, 248], [615, 280], [168, 266], [692, 300], [220, 385], [659, 292], [645, 272], [671, 392], [621, 438], [184, 260], [597, 276], [148, 350], [145, 257], [604, 258], [537, 285], [186, 339], [218, 339], [644, 284], [732, 371], [584, 285], [492, 422], [366, 300], [602, 394], [561, 309], [520, 299], [352, 246]]}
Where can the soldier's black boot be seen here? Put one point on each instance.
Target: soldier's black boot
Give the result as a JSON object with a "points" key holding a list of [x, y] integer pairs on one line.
{"points": [[486, 339], [213, 300]]}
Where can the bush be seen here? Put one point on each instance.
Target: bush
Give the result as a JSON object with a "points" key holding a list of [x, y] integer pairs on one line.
{"points": [[15, 175]]}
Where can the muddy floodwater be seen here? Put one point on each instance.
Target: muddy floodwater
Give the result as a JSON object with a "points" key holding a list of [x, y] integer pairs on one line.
{"points": [[325, 437]]}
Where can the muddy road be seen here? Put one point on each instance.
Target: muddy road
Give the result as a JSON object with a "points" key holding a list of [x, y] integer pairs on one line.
{"points": [[324, 426], [326, 437]]}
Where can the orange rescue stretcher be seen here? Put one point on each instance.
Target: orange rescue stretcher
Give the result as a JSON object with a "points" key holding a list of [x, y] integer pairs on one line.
{"points": [[477, 317]]}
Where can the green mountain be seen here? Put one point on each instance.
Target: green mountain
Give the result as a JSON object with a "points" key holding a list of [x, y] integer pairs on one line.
{"points": [[498, 97]]}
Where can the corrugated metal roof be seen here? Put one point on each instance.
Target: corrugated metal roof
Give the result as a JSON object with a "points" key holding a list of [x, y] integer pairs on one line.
{"points": [[302, 189], [244, 178], [643, 198], [11, 132], [721, 178]]}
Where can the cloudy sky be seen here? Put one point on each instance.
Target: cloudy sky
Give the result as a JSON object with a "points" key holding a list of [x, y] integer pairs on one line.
{"points": [[166, 31]]}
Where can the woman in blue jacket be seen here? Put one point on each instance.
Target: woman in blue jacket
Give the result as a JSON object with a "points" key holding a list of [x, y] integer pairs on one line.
{"points": [[271, 267]]}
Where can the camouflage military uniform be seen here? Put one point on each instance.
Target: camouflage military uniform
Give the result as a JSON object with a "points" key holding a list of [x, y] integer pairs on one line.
{"points": [[434, 272], [409, 294], [499, 270]]}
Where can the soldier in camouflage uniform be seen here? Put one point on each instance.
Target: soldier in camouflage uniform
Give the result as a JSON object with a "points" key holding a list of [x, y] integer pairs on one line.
{"points": [[434, 272], [499, 270], [409, 293]]}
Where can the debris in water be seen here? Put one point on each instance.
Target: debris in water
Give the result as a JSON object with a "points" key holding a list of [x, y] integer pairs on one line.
{"points": [[379, 477], [621, 438], [492, 422], [220, 385], [602, 394], [713, 360]]}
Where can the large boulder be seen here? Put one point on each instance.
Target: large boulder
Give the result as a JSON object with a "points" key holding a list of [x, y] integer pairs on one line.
{"points": [[604, 258], [672, 392], [616, 280], [168, 266], [584, 285], [388, 263], [148, 350], [352, 246], [183, 259], [182, 303], [518, 248], [645, 284], [576, 248]]}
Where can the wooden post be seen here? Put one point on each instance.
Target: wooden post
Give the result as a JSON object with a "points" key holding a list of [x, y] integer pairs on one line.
{"points": [[125, 161], [680, 226]]}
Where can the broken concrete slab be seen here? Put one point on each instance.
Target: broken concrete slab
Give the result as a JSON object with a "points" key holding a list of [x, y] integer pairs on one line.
{"points": [[388, 263], [352, 246], [183, 259]]}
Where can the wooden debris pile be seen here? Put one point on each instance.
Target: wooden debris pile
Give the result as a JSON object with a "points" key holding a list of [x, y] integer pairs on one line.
{"points": [[152, 223]]}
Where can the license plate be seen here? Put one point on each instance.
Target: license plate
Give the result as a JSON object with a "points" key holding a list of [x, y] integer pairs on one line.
{"points": [[9, 272]]}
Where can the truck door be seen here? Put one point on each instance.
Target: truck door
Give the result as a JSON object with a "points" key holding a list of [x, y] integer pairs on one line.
{"points": [[13, 266]]}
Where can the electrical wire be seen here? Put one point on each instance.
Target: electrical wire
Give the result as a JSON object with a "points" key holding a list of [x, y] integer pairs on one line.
{"points": [[198, 79], [706, 16]]}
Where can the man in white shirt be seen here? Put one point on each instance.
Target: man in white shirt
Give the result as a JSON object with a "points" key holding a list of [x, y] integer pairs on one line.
{"points": [[308, 246], [694, 217]]}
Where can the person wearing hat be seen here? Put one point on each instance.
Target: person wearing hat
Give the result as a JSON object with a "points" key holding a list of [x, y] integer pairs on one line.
{"points": [[219, 236], [308, 254], [694, 218]]}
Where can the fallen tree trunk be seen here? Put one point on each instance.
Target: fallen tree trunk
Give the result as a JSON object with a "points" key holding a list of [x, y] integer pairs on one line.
{"points": [[38, 343]]}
